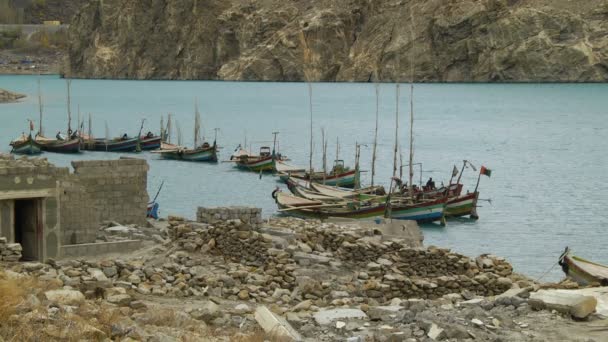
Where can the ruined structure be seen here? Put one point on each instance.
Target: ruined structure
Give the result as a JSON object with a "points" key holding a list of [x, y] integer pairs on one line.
{"points": [[47, 209]]}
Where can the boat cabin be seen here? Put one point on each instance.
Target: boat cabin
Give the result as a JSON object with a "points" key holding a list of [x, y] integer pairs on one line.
{"points": [[338, 166], [265, 151]]}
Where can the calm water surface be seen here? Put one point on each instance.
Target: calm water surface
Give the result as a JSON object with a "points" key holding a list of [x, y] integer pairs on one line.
{"points": [[546, 145]]}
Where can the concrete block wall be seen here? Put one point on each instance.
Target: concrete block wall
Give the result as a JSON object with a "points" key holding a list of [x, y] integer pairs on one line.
{"points": [[73, 205], [26, 178], [108, 190], [247, 215]]}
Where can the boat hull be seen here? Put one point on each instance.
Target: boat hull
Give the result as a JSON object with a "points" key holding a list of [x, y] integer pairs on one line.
{"points": [[465, 205], [198, 155], [59, 146], [149, 144], [129, 145], [584, 272], [421, 212], [265, 164], [28, 147], [344, 180]]}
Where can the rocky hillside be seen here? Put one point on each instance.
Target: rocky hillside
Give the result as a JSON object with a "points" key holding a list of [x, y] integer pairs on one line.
{"points": [[36, 12], [342, 40]]}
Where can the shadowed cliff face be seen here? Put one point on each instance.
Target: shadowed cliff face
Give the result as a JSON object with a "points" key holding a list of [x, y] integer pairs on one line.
{"points": [[341, 40]]}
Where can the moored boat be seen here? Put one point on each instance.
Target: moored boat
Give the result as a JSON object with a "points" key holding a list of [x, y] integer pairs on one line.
{"points": [[583, 271], [59, 146], [340, 176], [422, 212], [25, 145], [262, 162], [464, 205], [150, 142], [203, 153], [123, 144]]}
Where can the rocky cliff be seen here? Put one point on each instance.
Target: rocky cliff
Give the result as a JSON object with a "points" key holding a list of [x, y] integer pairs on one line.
{"points": [[342, 40]]}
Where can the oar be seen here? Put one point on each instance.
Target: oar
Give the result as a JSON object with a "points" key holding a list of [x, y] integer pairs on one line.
{"points": [[158, 192], [314, 206]]}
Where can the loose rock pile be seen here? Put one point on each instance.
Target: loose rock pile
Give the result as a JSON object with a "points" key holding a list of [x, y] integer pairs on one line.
{"points": [[241, 243], [9, 251], [247, 215]]}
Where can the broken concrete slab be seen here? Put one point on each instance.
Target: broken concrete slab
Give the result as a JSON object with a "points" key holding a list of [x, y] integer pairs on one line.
{"points": [[275, 325], [600, 294], [436, 333], [312, 258], [577, 305], [327, 316], [65, 297]]}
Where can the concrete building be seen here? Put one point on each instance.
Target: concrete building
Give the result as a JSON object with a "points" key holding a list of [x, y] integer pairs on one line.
{"points": [[48, 209]]}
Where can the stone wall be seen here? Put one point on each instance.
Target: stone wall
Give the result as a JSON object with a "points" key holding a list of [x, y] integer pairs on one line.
{"points": [[393, 269], [73, 206], [108, 190], [31, 179], [248, 216], [238, 242], [9, 251]]}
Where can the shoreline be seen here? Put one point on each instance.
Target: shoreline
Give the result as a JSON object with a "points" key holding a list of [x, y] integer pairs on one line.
{"points": [[53, 73]]}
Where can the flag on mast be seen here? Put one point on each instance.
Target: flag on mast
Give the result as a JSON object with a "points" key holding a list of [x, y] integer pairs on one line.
{"points": [[485, 171], [454, 171]]}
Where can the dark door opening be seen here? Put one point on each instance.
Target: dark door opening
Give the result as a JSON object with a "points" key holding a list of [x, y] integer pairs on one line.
{"points": [[28, 228]]}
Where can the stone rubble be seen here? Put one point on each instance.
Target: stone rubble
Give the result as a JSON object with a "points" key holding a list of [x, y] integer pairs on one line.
{"points": [[9, 252], [318, 281]]}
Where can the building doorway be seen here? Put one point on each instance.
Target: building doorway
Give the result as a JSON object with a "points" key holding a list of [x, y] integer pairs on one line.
{"points": [[28, 228]]}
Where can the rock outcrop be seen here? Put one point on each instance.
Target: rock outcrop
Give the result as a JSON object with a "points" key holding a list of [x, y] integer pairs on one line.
{"points": [[7, 96], [342, 40]]}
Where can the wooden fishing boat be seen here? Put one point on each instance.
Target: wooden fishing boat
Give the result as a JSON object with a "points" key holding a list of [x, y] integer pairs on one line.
{"points": [[59, 146], [149, 143], [464, 205], [422, 212], [262, 162], [339, 176], [203, 153], [583, 271], [116, 145], [25, 145], [347, 193]]}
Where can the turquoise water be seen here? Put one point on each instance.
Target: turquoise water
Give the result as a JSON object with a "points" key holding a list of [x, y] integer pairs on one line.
{"points": [[546, 145]]}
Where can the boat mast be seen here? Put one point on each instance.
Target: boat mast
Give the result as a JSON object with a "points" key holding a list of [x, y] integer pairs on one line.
{"points": [[179, 133], [41, 133], [79, 119], [197, 124], [357, 157], [337, 148], [311, 137], [324, 146], [274, 143], [169, 128], [162, 128], [411, 188], [90, 127], [69, 85], [397, 91], [375, 134]]}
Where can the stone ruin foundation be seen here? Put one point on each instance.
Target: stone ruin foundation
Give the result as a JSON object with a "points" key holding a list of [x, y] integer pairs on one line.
{"points": [[50, 211]]}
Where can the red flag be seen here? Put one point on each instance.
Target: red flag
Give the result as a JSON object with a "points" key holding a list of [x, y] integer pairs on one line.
{"points": [[485, 171]]}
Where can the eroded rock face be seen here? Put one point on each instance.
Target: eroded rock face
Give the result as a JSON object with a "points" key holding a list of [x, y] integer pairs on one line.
{"points": [[7, 96], [341, 40]]}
